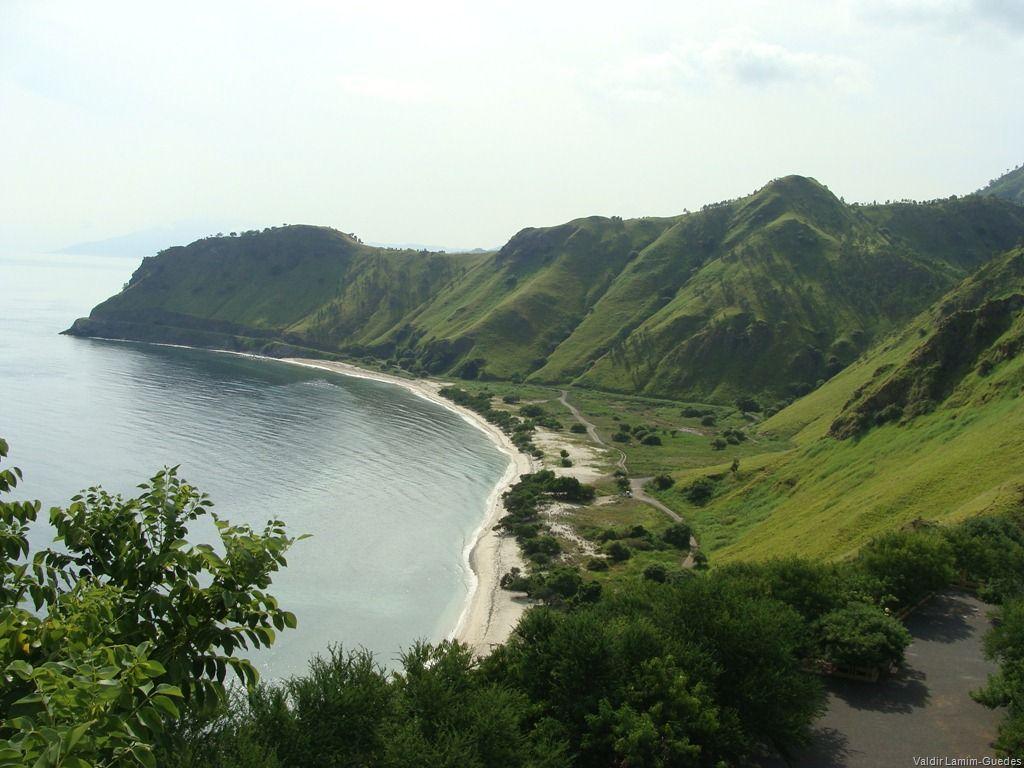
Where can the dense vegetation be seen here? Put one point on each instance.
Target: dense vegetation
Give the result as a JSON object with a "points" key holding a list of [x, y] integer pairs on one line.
{"points": [[766, 295], [125, 659]]}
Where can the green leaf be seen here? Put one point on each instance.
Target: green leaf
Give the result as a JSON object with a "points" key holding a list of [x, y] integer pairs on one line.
{"points": [[167, 706]]}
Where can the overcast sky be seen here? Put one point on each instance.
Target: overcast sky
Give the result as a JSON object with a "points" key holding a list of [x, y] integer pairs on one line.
{"points": [[457, 124]]}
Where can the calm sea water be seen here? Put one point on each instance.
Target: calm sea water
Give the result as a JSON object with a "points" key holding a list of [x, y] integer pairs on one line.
{"points": [[390, 486]]}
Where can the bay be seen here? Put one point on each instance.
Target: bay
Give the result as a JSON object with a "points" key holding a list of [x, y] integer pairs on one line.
{"points": [[390, 486]]}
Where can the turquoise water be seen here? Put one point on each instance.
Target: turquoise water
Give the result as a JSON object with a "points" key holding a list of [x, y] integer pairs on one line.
{"points": [[390, 486]]}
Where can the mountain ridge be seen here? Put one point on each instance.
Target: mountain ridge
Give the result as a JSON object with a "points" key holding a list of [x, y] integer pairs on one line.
{"points": [[766, 295]]}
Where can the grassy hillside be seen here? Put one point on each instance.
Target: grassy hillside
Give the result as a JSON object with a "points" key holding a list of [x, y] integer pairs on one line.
{"points": [[1009, 186], [929, 424], [768, 295]]}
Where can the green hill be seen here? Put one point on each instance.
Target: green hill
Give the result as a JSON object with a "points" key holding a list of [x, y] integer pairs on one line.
{"points": [[767, 295], [1009, 186], [929, 424]]}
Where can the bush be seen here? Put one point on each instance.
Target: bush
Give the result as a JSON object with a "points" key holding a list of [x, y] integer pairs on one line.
{"points": [[700, 491], [597, 564], [678, 535], [563, 453], [718, 444], [862, 635], [663, 482], [621, 437], [1004, 644], [651, 440], [748, 405], [908, 565], [656, 572], [510, 399], [565, 462], [578, 429], [708, 421], [618, 551], [532, 411]]}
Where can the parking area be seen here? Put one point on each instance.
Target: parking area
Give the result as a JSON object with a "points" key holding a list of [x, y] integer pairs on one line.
{"points": [[925, 711]]}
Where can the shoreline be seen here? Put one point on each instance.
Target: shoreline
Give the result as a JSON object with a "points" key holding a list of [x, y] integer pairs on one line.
{"points": [[490, 613]]}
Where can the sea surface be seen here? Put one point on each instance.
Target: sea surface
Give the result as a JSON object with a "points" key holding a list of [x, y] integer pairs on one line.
{"points": [[390, 486]]}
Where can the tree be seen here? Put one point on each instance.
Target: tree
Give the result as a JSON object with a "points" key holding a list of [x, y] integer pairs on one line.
{"points": [[663, 482], [1005, 644], [862, 635], [131, 620], [618, 551], [908, 564], [678, 535], [700, 491]]}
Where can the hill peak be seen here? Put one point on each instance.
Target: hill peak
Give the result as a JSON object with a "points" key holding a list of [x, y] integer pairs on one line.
{"points": [[1009, 186]]}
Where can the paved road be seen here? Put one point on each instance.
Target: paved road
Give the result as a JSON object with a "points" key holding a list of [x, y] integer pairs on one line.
{"points": [[924, 711]]}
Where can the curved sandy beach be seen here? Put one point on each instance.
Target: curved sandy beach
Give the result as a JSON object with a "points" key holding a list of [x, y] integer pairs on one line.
{"points": [[490, 613]]}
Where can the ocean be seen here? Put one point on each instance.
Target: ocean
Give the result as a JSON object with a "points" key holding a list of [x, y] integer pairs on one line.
{"points": [[390, 487]]}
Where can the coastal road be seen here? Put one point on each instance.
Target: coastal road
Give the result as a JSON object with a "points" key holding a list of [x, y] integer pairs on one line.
{"points": [[636, 484]]}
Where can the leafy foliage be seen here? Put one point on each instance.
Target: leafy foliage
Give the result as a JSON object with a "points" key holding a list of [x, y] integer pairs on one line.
{"points": [[131, 623]]}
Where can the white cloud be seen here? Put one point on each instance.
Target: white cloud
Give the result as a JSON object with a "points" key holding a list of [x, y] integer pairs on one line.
{"points": [[737, 60]]}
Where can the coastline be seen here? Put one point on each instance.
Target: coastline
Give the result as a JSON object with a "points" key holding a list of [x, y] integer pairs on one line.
{"points": [[490, 613]]}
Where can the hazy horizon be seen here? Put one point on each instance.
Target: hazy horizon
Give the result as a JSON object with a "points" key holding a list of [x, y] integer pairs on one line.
{"points": [[456, 125]]}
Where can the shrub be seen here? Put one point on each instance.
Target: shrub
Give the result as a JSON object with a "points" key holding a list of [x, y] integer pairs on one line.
{"points": [[678, 535], [563, 453], [621, 437], [532, 411], [663, 482], [700, 491], [597, 564], [651, 440], [565, 461], [1004, 643], [510, 399], [909, 564], [656, 572], [578, 429], [862, 635], [618, 551], [718, 444], [708, 421], [748, 405]]}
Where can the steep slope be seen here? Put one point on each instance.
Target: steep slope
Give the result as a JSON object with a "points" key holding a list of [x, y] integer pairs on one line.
{"points": [[1009, 186], [767, 295], [775, 292], [305, 286], [952, 446]]}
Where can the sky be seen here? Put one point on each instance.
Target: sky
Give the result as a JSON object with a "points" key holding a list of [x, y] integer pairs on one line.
{"points": [[458, 123]]}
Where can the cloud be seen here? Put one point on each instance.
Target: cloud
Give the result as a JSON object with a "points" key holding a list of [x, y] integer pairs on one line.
{"points": [[735, 60], [954, 16]]}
